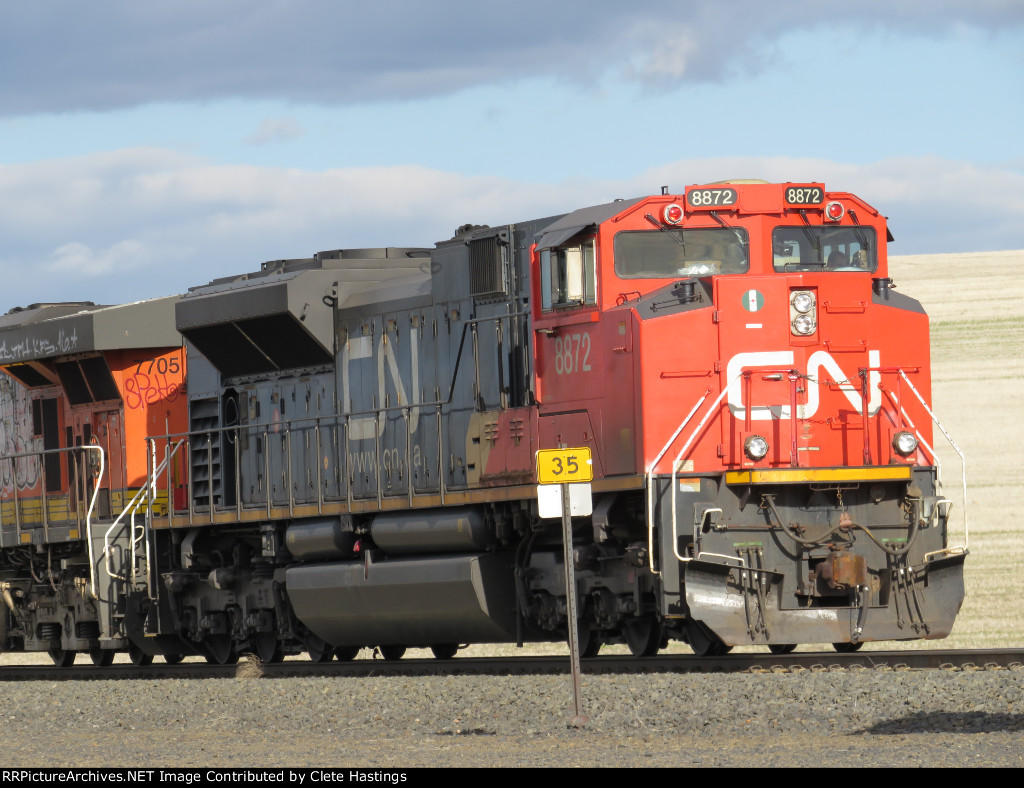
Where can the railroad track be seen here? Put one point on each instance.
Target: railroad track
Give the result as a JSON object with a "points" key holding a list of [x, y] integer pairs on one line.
{"points": [[952, 659]]}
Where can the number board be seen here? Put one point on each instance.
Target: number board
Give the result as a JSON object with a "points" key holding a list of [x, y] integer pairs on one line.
{"points": [[810, 194], [564, 466], [712, 198]]}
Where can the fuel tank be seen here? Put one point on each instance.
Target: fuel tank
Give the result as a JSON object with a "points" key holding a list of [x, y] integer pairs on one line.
{"points": [[418, 601]]}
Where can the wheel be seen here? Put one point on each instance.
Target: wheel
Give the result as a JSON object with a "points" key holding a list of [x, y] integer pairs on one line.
{"points": [[847, 648], [704, 642], [267, 648], [62, 658], [445, 650], [643, 637], [173, 659], [590, 642], [138, 656], [346, 653], [392, 653], [318, 650], [101, 657], [220, 650], [782, 648]]}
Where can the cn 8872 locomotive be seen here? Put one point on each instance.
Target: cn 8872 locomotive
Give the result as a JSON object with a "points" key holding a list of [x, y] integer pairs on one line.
{"points": [[363, 426]]}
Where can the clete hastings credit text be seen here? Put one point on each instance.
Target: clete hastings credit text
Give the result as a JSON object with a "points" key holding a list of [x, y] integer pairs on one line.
{"points": [[295, 777]]}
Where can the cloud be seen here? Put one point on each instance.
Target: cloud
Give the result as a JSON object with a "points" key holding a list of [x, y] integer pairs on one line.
{"points": [[331, 52], [276, 130], [78, 260], [148, 222]]}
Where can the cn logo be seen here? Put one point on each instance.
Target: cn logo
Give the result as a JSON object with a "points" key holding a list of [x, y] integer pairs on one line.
{"points": [[821, 369], [362, 347]]}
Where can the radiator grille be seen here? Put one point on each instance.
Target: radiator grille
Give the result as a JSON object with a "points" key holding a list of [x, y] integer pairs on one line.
{"points": [[487, 258]]}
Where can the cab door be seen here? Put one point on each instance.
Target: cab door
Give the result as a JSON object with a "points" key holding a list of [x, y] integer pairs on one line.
{"points": [[107, 433]]}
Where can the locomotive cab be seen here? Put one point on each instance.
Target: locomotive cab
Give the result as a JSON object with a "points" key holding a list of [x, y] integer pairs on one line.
{"points": [[792, 485]]}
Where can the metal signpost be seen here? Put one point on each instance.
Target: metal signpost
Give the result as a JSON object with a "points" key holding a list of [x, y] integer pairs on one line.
{"points": [[564, 491]]}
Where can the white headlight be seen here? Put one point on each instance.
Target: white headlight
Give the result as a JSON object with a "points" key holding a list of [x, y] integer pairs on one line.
{"points": [[803, 324], [803, 302], [755, 447], [905, 443]]}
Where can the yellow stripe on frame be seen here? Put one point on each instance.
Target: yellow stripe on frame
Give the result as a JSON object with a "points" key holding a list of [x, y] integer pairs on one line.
{"points": [[796, 475]]}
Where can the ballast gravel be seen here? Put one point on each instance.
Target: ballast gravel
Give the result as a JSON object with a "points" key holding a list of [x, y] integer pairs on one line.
{"points": [[933, 718]]}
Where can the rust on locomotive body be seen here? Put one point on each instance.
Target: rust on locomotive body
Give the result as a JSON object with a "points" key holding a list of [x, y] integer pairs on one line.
{"points": [[350, 460]]}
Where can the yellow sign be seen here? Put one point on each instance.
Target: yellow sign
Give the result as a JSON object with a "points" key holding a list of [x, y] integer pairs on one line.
{"points": [[564, 466]]}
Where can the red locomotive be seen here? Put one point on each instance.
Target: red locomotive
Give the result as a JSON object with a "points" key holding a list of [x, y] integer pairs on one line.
{"points": [[363, 427]]}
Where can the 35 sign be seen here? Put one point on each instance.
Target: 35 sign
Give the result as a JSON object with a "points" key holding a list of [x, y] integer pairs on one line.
{"points": [[564, 466]]}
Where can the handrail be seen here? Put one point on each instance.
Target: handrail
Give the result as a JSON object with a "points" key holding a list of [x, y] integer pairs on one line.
{"points": [[144, 497], [920, 438], [343, 421], [44, 513], [650, 480], [696, 431], [675, 463], [88, 515], [748, 407], [963, 459], [265, 431]]}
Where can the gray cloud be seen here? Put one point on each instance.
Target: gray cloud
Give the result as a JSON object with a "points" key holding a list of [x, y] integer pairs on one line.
{"points": [[67, 55], [142, 223]]}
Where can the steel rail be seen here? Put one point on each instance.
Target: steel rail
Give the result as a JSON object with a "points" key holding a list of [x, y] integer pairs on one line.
{"points": [[756, 663]]}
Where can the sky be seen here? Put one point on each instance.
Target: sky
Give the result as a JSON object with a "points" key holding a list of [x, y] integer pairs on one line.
{"points": [[147, 147]]}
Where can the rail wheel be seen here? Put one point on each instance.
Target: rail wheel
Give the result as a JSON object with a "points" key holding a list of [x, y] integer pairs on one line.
{"points": [[643, 637], [782, 648], [392, 653], [173, 659], [101, 657], [268, 647], [847, 648], [590, 642], [138, 656], [220, 650], [444, 650], [318, 650], [346, 653], [704, 642], [62, 658]]}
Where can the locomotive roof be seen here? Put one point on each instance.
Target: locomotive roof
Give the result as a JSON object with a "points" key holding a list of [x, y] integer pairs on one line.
{"points": [[282, 316], [576, 222], [44, 331]]}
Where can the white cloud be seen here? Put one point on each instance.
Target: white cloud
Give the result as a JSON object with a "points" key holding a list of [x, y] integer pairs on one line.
{"points": [[144, 223], [276, 130], [80, 261]]}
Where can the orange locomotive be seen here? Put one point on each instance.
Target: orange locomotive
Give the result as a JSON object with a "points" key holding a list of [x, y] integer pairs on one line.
{"points": [[84, 385]]}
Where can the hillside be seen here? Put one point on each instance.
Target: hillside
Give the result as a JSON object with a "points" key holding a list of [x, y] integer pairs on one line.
{"points": [[976, 304]]}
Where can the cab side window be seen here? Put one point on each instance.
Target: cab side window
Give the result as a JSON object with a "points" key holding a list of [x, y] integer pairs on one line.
{"points": [[569, 275]]}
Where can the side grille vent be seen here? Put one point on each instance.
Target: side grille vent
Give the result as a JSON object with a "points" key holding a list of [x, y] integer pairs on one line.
{"points": [[206, 454], [488, 265]]}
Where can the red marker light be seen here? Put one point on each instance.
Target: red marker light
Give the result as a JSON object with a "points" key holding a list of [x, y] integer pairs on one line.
{"points": [[673, 214], [834, 211]]}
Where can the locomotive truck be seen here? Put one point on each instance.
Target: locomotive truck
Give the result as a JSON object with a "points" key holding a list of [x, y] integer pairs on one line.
{"points": [[357, 463]]}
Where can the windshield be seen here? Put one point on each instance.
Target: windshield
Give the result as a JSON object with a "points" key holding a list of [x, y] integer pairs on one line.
{"points": [[803, 248], [658, 254]]}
